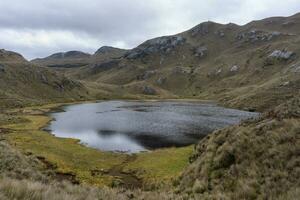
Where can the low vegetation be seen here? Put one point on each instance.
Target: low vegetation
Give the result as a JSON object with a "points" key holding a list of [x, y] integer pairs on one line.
{"points": [[70, 159], [258, 159]]}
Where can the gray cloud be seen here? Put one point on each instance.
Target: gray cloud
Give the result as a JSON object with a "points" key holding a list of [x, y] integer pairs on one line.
{"points": [[37, 28]]}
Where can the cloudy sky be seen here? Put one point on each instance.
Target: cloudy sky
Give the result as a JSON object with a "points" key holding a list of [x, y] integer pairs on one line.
{"points": [[37, 28]]}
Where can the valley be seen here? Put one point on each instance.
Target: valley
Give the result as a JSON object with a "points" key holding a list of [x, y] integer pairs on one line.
{"points": [[244, 69]]}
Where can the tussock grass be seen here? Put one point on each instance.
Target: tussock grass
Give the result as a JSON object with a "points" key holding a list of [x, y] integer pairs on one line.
{"points": [[258, 159]]}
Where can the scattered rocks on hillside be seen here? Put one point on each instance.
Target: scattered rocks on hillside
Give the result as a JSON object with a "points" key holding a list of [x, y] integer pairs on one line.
{"points": [[257, 35], [220, 33], [286, 83], [158, 45], [200, 51], [288, 23], [281, 54], [146, 75], [149, 90], [297, 69], [234, 68]]}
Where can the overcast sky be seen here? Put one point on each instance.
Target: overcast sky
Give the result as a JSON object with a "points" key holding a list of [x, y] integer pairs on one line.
{"points": [[38, 28]]}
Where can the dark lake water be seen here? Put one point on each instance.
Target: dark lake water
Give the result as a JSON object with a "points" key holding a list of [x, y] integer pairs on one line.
{"points": [[134, 126]]}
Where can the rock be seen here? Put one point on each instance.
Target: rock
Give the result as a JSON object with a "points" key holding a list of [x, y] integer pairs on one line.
{"points": [[2, 68], [146, 75], [297, 69], [148, 90], [158, 45], [200, 51], [257, 35], [220, 33], [281, 54], [161, 80], [219, 71], [234, 68], [285, 83]]}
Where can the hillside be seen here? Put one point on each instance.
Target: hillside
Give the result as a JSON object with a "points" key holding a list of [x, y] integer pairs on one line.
{"points": [[253, 67], [258, 159], [23, 83]]}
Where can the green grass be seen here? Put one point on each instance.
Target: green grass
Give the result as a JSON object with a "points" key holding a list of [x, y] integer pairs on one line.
{"points": [[161, 165], [68, 156]]}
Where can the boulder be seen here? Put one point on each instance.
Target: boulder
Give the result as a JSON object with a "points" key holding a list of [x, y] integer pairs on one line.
{"points": [[234, 68], [218, 71], [281, 54]]}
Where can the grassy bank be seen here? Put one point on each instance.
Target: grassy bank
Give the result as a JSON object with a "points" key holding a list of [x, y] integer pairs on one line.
{"points": [[70, 159]]}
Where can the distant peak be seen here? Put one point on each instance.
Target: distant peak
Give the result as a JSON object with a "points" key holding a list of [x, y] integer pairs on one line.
{"points": [[107, 49], [69, 54]]}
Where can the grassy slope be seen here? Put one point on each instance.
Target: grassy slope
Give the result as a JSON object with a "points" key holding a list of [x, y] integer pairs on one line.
{"points": [[258, 159]]}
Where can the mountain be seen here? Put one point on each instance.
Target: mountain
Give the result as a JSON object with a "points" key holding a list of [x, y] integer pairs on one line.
{"points": [[22, 82], [253, 67]]}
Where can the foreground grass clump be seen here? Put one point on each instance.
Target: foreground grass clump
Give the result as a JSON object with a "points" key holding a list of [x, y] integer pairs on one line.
{"points": [[258, 159], [71, 160]]}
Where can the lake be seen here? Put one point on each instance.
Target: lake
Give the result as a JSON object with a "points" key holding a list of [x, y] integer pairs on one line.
{"points": [[134, 126]]}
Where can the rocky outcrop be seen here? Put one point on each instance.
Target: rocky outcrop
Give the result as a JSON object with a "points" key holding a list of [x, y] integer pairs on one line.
{"points": [[158, 45], [234, 68], [257, 35], [281, 54], [200, 51]]}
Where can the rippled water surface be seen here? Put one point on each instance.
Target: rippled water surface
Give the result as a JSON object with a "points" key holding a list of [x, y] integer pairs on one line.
{"points": [[134, 126]]}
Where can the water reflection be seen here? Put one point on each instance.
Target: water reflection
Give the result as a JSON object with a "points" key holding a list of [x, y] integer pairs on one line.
{"points": [[137, 126]]}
